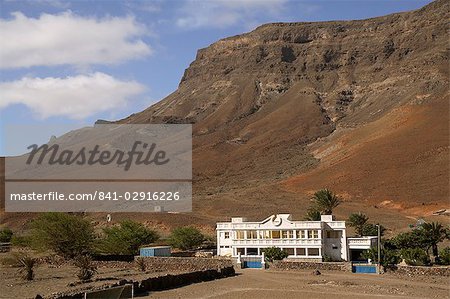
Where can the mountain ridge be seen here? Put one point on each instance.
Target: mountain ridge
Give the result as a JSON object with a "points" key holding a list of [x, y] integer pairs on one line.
{"points": [[290, 108]]}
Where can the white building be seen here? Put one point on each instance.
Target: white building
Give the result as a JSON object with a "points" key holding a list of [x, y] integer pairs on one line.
{"points": [[310, 240]]}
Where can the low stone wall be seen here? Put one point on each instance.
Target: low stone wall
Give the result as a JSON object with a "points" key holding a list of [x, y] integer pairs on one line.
{"points": [[421, 271], [192, 270], [172, 281], [294, 265], [185, 263]]}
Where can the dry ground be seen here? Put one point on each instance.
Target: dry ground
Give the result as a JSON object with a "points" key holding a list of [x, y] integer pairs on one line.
{"points": [[249, 283], [255, 283]]}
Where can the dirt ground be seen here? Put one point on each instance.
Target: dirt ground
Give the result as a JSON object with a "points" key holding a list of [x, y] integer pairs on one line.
{"points": [[248, 283], [255, 283]]}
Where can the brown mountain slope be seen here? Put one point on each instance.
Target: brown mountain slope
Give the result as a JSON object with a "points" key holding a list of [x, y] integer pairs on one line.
{"points": [[357, 106]]}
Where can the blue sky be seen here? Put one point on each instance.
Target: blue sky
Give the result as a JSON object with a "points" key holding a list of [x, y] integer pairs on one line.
{"points": [[73, 62]]}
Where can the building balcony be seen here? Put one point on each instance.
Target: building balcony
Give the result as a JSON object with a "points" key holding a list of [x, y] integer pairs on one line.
{"points": [[361, 242], [276, 242], [298, 225]]}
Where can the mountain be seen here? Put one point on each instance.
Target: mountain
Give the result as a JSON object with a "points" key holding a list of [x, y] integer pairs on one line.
{"points": [[360, 107]]}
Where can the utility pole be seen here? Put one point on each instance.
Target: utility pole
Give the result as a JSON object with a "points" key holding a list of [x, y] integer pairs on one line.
{"points": [[379, 246]]}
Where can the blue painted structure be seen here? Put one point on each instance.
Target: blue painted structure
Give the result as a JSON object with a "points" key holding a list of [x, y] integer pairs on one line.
{"points": [[364, 268], [155, 251]]}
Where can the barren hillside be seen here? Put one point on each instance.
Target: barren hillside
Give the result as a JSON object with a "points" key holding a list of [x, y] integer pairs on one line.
{"points": [[360, 107]]}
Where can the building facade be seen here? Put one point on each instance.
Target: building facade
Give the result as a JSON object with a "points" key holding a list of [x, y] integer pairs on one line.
{"points": [[305, 240]]}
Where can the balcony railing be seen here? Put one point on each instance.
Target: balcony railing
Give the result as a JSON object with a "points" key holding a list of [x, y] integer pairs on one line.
{"points": [[275, 242]]}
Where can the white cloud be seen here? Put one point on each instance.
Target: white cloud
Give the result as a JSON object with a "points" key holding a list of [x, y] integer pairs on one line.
{"points": [[69, 39], [74, 97], [223, 13]]}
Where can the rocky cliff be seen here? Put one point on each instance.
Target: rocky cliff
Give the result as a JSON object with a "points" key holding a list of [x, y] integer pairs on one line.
{"points": [[357, 106]]}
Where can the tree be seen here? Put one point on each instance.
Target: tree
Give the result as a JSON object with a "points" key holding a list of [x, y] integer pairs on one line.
{"points": [[413, 239], [436, 233], [415, 256], [426, 237], [126, 238], [358, 220], [370, 229], [444, 256], [66, 234], [325, 201], [389, 257], [5, 234], [274, 253], [186, 238], [312, 214]]}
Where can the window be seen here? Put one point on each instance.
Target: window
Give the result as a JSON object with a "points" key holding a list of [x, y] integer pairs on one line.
{"points": [[264, 234], [275, 234], [240, 235], [287, 234], [289, 251], [331, 234], [313, 234], [227, 235], [313, 251], [301, 251], [301, 234], [251, 234], [252, 251], [240, 250]]}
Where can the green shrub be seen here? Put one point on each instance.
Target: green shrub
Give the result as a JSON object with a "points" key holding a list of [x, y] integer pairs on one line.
{"points": [[21, 240], [274, 253], [126, 238], [389, 257], [327, 258], [312, 214], [415, 257], [66, 234], [86, 269], [186, 238], [6, 234], [444, 256]]}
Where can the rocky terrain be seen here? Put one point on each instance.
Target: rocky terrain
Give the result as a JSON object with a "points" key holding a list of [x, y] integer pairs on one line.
{"points": [[360, 107]]}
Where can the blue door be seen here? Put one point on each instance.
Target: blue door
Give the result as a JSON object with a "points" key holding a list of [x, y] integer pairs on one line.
{"points": [[252, 264], [364, 268]]}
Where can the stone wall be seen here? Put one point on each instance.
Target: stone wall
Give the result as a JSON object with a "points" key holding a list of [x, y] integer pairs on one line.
{"points": [[420, 271], [192, 270], [292, 266], [185, 263]]}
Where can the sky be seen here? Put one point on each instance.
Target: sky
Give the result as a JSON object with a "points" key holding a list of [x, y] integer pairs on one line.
{"points": [[68, 63]]}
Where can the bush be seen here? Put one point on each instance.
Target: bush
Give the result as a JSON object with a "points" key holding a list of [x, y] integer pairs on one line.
{"points": [[141, 264], [66, 234], [389, 257], [444, 256], [21, 241], [6, 235], [415, 257], [86, 269], [274, 253], [23, 261], [186, 238], [126, 238]]}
